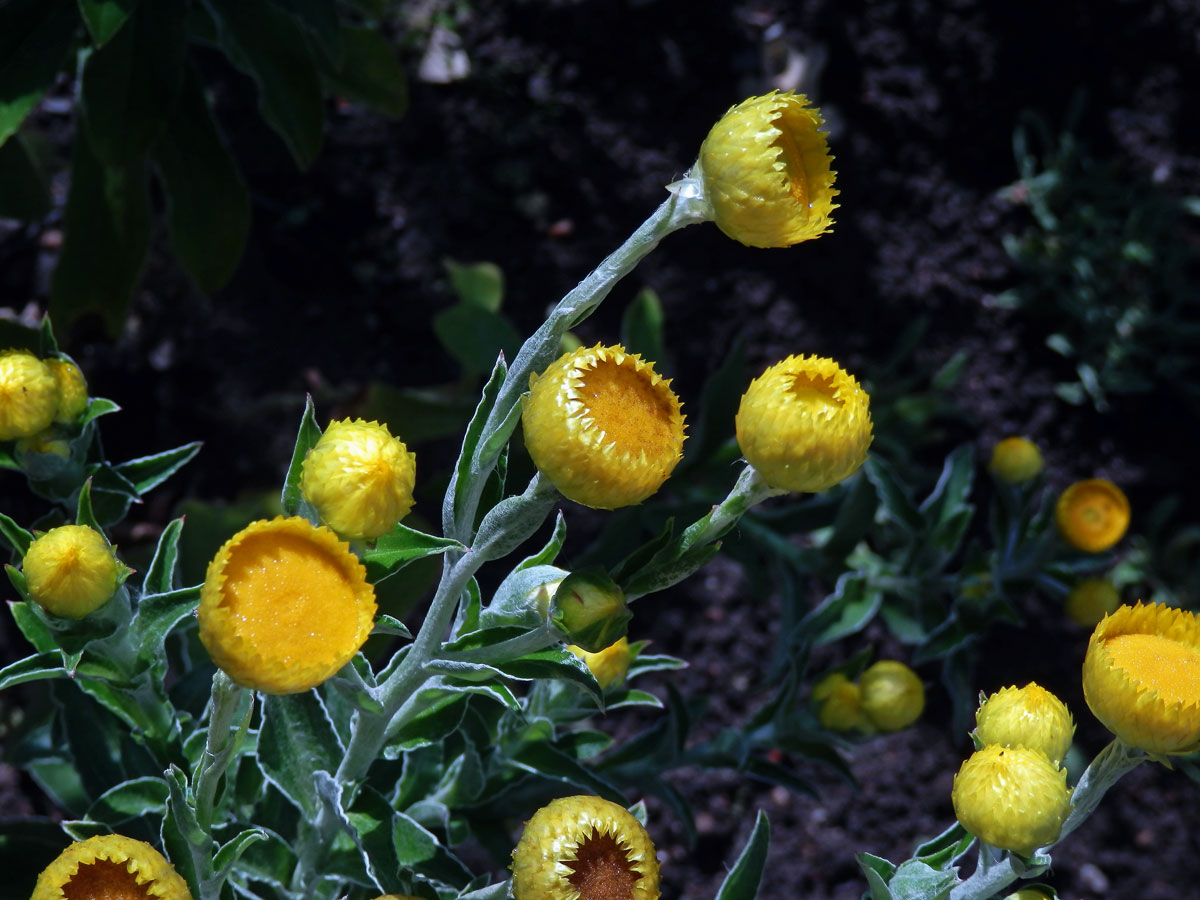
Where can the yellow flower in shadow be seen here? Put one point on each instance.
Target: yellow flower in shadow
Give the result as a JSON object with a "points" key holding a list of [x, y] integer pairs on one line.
{"points": [[765, 167], [1092, 515], [28, 395], [285, 604], [1141, 677], [578, 848], [804, 424], [1091, 600], [840, 704], [110, 867], [1030, 717], [892, 695], [603, 426], [1015, 460], [608, 666], [71, 571]]}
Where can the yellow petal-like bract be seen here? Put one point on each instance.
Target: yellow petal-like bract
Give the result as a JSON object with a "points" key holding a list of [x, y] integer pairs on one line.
{"points": [[804, 424], [1092, 515], [1091, 600], [603, 426], [72, 390], [1030, 717], [892, 695], [285, 604], [840, 704], [28, 395], [765, 167], [1015, 460], [110, 867], [71, 571], [608, 666], [584, 848], [1141, 677]]}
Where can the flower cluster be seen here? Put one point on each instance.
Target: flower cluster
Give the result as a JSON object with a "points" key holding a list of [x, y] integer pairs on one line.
{"points": [[35, 393], [888, 696]]}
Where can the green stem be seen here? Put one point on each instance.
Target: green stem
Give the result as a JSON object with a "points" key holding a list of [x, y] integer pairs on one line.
{"points": [[229, 702]]}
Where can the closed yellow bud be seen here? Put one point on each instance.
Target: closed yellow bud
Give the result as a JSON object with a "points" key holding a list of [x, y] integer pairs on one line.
{"points": [[1015, 460], [1026, 717], [71, 571], [28, 395], [589, 607], [1092, 515], [608, 666], [46, 441], [72, 390], [841, 703], [892, 695], [1091, 600]]}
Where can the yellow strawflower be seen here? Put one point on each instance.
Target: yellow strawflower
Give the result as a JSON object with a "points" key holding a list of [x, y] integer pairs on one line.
{"points": [[584, 848], [1013, 798], [1015, 460], [1030, 717], [841, 703], [603, 426], [1091, 600], [71, 571], [765, 167], [1141, 677], [72, 390], [284, 606], [892, 695], [804, 424], [608, 666], [1029, 894], [28, 395], [1092, 515], [359, 478], [110, 867]]}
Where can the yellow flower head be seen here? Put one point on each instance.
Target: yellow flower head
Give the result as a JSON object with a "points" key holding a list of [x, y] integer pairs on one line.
{"points": [[110, 867], [28, 395], [1015, 460], [285, 604], [1026, 717], [584, 848], [72, 390], [1141, 677], [892, 695], [1013, 798], [766, 172], [610, 665], [603, 426], [359, 478], [1029, 894], [71, 571], [1091, 600], [1092, 515], [841, 703]]}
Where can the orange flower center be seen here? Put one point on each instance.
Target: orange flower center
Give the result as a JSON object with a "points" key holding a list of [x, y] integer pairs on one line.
{"points": [[1169, 667], [601, 870], [627, 407], [817, 391], [105, 880], [792, 156]]}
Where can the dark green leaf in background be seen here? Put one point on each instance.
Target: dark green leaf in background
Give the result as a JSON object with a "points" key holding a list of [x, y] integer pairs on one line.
{"points": [[34, 38], [474, 336], [320, 18], [477, 284], [642, 328], [104, 18], [24, 186], [310, 432], [370, 72]]}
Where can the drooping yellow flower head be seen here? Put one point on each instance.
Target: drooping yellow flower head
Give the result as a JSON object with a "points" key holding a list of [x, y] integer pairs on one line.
{"points": [[72, 390], [284, 605], [603, 426], [1141, 677], [766, 172], [608, 666], [804, 424], [1013, 798], [71, 571], [841, 703], [359, 478], [1092, 515], [892, 695], [1026, 717], [584, 848], [110, 867], [28, 395], [1091, 600], [1015, 460]]}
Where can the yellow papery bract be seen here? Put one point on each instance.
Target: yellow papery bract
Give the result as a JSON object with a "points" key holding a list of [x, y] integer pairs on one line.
{"points": [[71, 571], [603, 426], [28, 395], [1092, 515], [765, 167], [72, 390], [892, 695], [1030, 717], [608, 666], [1015, 460], [1091, 600], [804, 424], [1141, 677], [110, 867], [841, 703], [359, 478], [1013, 798], [285, 604], [580, 848]]}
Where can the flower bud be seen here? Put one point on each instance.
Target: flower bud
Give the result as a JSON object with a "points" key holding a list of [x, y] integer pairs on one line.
{"points": [[1015, 460], [892, 695], [1091, 600], [1026, 717], [72, 390], [610, 665], [589, 607], [71, 571], [28, 395], [47, 441], [841, 703], [1092, 515]]}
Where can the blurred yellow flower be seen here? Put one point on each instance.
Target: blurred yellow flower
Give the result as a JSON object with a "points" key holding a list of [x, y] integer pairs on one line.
{"points": [[892, 695], [608, 666], [72, 390], [603, 426], [28, 395], [840, 703], [110, 867], [1013, 798], [359, 478], [1141, 677], [765, 167], [1015, 460], [285, 604], [1092, 515], [579, 848], [1091, 600], [1029, 717], [804, 424], [71, 571]]}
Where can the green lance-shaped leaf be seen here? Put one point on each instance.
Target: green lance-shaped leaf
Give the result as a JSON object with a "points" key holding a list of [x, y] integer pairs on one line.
{"points": [[743, 879], [642, 327], [24, 185], [403, 545], [296, 740], [320, 18], [148, 472], [369, 72], [104, 18], [35, 36], [310, 432]]}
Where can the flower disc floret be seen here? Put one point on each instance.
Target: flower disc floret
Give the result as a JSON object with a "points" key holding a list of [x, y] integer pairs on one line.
{"points": [[1092, 515], [71, 571], [1013, 798], [28, 395], [766, 171], [359, 478], [72, 390], [1015, 460], [892, 695], [1141, 677], [804, 424], [284, 606], [110, 867], [1091, 600], [603, 426], [1030, 717], [584, 848]]}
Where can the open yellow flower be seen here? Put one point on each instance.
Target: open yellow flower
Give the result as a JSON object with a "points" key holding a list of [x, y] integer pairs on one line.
{"points": [[1092, 515], [110, 867], [580, 848], [359, 478], [1141, 677], [1015, 460], [766, 172], [892, 695], [1091, 600], [804, 424], [1030, 717], [28, 395], [285, 604], [603, 426], [608, 666], [71, 571], [72, 390]]}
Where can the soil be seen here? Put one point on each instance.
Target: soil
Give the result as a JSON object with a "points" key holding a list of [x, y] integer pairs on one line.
{"points": [[574, 115]]}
